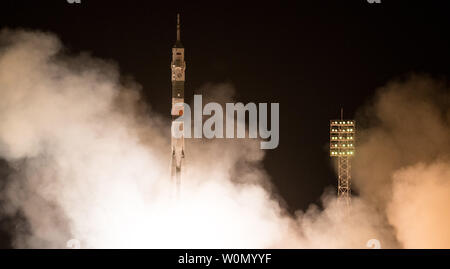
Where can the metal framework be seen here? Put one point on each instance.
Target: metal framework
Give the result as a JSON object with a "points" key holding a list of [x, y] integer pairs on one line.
{"points": [[342, 147]]}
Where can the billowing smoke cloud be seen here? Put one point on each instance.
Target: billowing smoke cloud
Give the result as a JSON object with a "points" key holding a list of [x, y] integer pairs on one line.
{"points": [[90, 161], [419, 209], [403, 160]]}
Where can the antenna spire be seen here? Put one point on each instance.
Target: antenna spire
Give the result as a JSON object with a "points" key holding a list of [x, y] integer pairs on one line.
{"points": [[178, 27]]}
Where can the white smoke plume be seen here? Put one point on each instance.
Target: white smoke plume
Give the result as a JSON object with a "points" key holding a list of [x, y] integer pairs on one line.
{"points": [[403, 161], [90, 161]]}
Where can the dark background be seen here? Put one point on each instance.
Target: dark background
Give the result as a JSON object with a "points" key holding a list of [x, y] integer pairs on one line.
{"points": [[313, 57]]}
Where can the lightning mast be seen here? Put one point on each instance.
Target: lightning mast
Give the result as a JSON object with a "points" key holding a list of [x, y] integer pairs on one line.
{"points": [[178, 67], [342, 147]]}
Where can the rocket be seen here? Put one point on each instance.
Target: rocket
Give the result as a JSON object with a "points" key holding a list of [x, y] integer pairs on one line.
{"points": [[178, 67]]}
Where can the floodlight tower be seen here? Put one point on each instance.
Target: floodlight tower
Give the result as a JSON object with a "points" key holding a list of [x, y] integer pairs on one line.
{"points": [[342, 146]]}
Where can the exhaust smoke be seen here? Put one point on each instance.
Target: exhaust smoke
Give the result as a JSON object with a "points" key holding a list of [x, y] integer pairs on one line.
{"points": [[90, 161]]}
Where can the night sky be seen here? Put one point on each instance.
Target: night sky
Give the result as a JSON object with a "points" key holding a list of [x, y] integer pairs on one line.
{"points": [[312, 57]]}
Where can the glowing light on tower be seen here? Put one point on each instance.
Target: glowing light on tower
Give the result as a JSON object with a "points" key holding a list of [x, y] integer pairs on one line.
{"points": [[342, 147]]}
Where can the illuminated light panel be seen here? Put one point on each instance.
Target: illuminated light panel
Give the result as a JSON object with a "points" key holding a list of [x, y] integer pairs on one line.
{"points": [[342, 133]]}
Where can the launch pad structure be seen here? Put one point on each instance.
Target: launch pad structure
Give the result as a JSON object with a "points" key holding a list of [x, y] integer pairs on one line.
{"points": [[342, 147], [178, 68]]}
